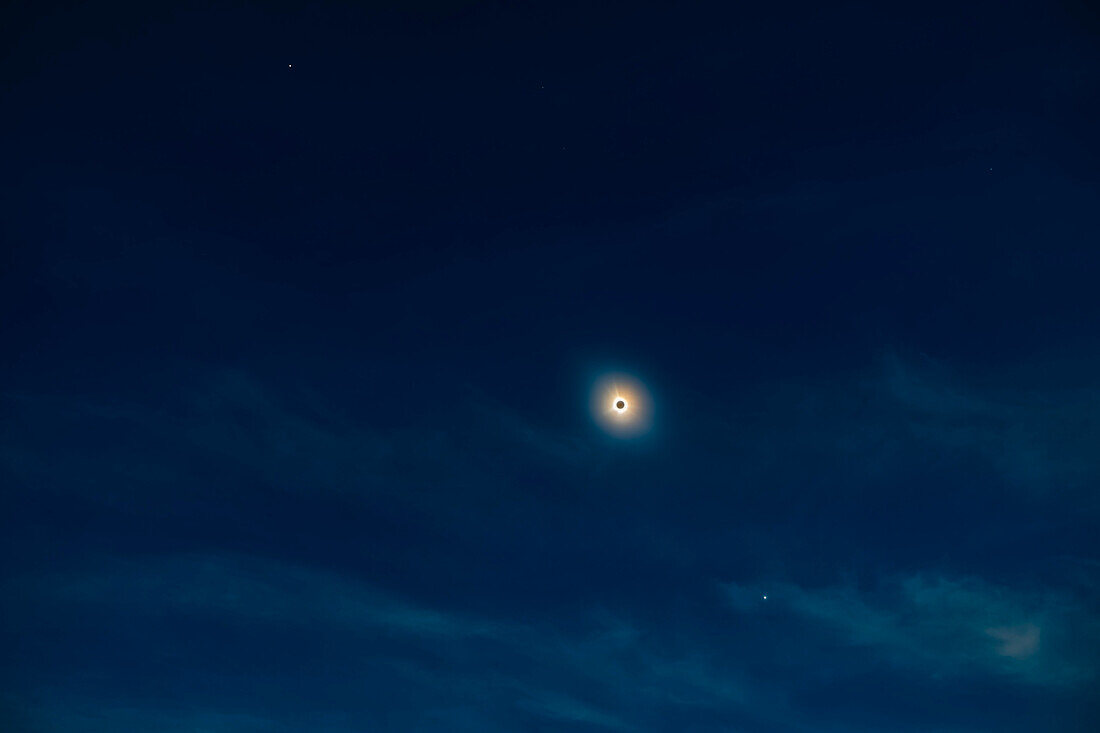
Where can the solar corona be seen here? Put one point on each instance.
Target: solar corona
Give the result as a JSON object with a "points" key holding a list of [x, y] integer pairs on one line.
{"points": [[621, 406]]}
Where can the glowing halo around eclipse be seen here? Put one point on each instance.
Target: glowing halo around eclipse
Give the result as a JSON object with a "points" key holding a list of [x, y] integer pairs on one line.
{"points": [[621, 406]]}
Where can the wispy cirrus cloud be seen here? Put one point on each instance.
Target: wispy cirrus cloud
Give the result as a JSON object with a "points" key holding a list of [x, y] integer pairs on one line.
{"points": [[1043, 438], [231, 419], [945, 626], [591, 676]]}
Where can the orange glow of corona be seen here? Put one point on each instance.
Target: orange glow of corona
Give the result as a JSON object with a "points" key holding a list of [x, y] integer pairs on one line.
{"points": [[621, 406]]}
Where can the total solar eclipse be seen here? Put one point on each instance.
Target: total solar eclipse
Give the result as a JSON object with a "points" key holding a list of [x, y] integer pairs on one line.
{"points": [[621, 405]]}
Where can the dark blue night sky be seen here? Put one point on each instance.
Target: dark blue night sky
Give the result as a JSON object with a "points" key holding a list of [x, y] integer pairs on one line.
{"points": [[302, 308]]}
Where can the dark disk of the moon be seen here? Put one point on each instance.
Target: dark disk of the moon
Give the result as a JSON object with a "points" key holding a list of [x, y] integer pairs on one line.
{"points": [[620, 404]]}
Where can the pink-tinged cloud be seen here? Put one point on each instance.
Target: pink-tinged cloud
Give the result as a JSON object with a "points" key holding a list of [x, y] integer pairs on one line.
{"points": [[1018, 642]]}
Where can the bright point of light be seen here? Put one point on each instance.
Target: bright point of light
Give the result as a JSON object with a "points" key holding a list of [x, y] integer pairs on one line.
{"points": [[765, 598]]}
